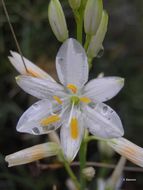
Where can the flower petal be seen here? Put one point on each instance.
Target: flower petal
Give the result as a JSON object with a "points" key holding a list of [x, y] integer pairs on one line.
{"points": [[40, 88], [31, 120], [71, 63], [103, 89], [128, 149], [32, 154], [32, 69], [69, 143], [103, 121]]}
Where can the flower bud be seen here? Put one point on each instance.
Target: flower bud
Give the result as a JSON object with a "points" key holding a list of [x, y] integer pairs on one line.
{"points": [[57, 20], [115, 179], [32, 154], [74, 4], [92, 16], [88, 173], [96, 41], [105, 149], [128, 149]]}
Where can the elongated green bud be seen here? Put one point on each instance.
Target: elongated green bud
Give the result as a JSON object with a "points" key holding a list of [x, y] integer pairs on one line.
{"points": [[92, 16], [57, 20], [97, 40], [74, 4]]}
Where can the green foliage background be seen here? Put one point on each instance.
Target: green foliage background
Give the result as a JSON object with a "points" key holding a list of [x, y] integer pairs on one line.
{"points": [[123, 56]]}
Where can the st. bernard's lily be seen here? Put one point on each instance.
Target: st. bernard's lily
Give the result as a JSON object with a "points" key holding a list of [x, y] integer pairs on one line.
{"points": [[73, 104]]}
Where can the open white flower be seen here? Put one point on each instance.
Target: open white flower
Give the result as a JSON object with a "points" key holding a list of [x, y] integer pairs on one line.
{"points": [[73, 104]]}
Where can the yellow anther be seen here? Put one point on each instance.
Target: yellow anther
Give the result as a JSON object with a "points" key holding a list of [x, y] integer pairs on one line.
{"points": [[58, 99], [74, 128], [72, 87], [85, 99], [49, 120]]}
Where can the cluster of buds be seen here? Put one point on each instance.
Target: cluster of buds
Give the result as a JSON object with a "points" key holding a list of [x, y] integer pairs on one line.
{"points": [[95, 20]]}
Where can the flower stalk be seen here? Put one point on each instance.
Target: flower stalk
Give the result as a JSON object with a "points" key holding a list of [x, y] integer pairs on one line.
{"points": [[82, 158], [69, 171]]}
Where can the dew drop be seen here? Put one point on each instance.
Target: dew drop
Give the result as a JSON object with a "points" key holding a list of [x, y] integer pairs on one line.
{"points": [[35, 106], [101, 52], [105, 109], [92, 105], [61, 59], [36, 130]]}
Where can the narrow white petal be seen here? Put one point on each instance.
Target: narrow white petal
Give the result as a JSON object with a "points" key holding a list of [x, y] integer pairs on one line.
{"points": [[71, 63], [40, 88], [103, 89], [32, 69], [128, 149], [29, 122], [69, 144], [103, 121], [32, 154]]}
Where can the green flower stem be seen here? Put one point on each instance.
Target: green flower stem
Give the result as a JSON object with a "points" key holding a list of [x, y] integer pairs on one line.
{"points": [[70, 172], [90, 62], [79, 30], [79, 23], [82, 159], [90, 138], [88, 38]]}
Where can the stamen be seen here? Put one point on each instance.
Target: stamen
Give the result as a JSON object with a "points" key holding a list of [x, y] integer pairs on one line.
{"points": [[72, 87], [58, 99], [85, 99], [49, 120], [74, 128]]}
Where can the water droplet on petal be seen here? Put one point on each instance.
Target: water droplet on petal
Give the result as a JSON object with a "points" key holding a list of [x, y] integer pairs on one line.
{"points": [[36, 130], [105, 109], [61, 59]]}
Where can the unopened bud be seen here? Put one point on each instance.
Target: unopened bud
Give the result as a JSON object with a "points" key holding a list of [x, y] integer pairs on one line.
{"points": [[105, 149], [92, 16], [32, 154], [57, 20], [115, 178], [96, 41], [127, 149], [74, 4], [88, 173]]}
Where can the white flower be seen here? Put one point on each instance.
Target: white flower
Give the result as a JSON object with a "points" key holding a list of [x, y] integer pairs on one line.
{"points": [[73, 104]]}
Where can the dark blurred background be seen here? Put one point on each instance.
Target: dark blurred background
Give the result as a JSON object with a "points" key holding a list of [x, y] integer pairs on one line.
{"points": [[123, 56]]}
